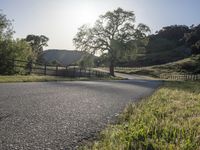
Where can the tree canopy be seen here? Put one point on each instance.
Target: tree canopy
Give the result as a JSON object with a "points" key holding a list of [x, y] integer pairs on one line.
{"points": [[37, 42], [6, 28], [192, 39], [114, 33]]}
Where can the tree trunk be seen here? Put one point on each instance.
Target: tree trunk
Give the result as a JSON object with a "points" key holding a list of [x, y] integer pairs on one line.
{"points": [[112, 70]]}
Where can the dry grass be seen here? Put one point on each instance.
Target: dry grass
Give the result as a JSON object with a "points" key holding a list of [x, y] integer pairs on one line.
{"points": [[169, 119]]}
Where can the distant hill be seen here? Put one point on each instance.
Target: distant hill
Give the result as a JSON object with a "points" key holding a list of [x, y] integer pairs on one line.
{"points": [[62, 57]]}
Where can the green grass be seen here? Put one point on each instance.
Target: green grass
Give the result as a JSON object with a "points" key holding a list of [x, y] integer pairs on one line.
{"points": [[186, 66], [168, 120], [36, 78]]}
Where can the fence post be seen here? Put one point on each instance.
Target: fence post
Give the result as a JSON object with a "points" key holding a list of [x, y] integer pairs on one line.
{"points": [[66, 72], [45, 69], [13, 64], [30, 63], [96, 73], [85, 75], [80, 74], [56, 70], [74, 72], [89, 72]]}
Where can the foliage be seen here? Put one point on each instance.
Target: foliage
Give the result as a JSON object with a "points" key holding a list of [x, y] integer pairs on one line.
{"points": [[37, 42], [102, 60], [166, 39], [167, 120], [55, 63], [157, 58], [87, 61], [6, 29], [114, 33], [9, 48], [192, 39], [166, 45], [160, 44], [173, 32]]}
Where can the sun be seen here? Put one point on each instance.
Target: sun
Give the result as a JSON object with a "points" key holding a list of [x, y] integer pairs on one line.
{"points": [[86, 14]]}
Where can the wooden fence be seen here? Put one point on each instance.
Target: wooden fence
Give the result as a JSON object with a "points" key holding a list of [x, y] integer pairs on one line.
{"points": [[44, 69], [180, 77], [166, 76], [130, 68]]}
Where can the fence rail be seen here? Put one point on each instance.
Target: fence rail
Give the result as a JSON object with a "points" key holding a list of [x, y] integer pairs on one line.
{"points": [[132, 68], [30, 67], [181, 77]]}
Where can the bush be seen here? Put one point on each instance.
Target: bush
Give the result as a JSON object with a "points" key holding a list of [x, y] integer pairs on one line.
{"points": [[11, 50]]}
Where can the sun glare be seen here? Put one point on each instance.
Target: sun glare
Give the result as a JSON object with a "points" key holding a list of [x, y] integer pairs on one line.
{"points": [[85, 14]]}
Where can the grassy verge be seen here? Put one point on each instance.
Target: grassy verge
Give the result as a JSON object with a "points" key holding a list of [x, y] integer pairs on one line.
{"points": [[36, 78], [169, 119]]}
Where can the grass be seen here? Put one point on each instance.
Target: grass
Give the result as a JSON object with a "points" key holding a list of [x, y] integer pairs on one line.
{"points": [[189, 65], [36, 78], [168, 120]]}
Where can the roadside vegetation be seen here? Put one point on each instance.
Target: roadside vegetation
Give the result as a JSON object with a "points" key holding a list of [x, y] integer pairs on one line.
{"points": [[169, 119], [37, 78], [26, 49]]}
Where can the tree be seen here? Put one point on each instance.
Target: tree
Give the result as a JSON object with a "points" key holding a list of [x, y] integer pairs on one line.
{"points": [[168, 38], [6, 28], [114, 33], [173, 32], [11, 49], [192, 39], [37, 42], [87, 60]]}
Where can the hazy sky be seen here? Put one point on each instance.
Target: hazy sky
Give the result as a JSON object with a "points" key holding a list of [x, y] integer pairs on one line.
{"points": [[59, 19]]}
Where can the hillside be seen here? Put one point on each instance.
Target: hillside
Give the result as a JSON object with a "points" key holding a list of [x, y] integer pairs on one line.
{"points": [[162, 57], [62, 57], [189, 65], [165, 46]]}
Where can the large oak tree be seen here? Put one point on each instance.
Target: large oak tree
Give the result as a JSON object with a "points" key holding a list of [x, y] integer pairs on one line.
{"points": [[114, 33]]}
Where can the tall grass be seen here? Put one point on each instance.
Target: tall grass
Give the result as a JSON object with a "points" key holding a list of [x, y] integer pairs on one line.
{"points": [[169, 119]]}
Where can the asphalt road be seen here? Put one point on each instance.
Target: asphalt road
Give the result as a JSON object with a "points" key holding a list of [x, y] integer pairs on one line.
{"points": [[61, 115]]}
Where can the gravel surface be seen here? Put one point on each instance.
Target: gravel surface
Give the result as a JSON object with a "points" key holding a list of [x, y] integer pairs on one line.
{"points": [[61, 115]]}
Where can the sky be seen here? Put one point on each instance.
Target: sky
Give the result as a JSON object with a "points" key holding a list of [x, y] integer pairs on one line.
{"points": [[59, 20]]}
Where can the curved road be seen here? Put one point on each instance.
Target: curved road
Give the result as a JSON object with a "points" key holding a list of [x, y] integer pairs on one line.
{"points": [[62, 115]]}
